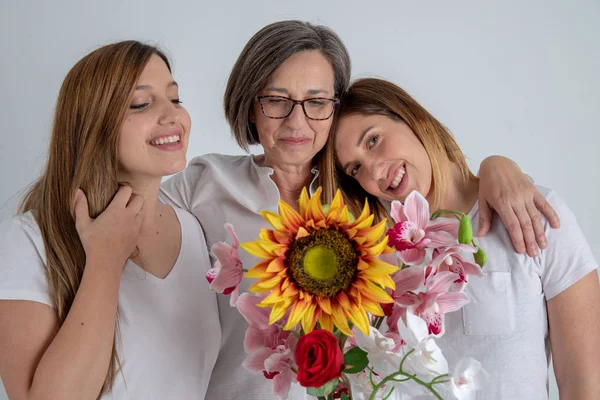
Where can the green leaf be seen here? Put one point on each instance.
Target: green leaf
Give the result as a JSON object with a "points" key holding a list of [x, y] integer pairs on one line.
{"points": [[344, 397], [324, 390], [355, 360]]}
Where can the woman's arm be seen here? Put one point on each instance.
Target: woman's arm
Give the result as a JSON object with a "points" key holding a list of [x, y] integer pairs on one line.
{"points": [[574, 319], [40, 359], [504, 188]]}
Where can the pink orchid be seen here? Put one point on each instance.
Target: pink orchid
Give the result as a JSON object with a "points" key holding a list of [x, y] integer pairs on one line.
{"points": [[226, 274], [435, 301], [270, 349], [407, 280], [414, 231], [450, 260]]}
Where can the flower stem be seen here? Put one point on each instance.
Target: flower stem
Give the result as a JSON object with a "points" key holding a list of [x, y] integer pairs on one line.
{"points": [[439, 213], [408, 376], [378, 322]]}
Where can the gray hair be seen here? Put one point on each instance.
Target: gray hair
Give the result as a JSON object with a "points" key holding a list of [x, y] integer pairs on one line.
{"points": [[263, 54]]}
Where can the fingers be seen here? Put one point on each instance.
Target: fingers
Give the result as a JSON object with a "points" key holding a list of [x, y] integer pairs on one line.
{"points": [[542, 204], [527, 229], [122, 197], [82, 214], [485, 218], [512, 224], [538, 225]]}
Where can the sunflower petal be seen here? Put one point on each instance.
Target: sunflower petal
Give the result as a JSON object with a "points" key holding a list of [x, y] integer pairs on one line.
{"points": [[374, 233], [339, 319], [372, 307], [337, 202], [309, 318], [277, 312], [324, 303], [365, 219], [301, 233], [326, 322], [259, 270], [273, 219], [276, 265], [255, 249], [376, 293], [296, 313], [359, 318], [290, 217], [269, 283], [377, 249], [303, 202]]}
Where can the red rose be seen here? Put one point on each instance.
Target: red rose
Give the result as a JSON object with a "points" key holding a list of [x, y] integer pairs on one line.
{"points": [[319, 358]]}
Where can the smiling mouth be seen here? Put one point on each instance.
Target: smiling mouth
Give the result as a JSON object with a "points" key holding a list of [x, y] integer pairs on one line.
{"points": [[166, 140], [397, 178]]}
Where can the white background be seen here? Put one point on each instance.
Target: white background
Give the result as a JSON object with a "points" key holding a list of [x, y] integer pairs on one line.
{"points": [[518, 78]]}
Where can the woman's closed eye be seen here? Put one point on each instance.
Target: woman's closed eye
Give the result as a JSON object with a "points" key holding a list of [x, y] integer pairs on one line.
{"points": [[141, 106]]}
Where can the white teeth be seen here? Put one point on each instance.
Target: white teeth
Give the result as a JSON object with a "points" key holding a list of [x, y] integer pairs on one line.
{"points": [[397, 179], [167, 139]]}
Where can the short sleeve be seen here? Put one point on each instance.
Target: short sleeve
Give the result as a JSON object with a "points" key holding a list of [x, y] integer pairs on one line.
{"points": [[22, 261], [180, 189], [568, 257]]}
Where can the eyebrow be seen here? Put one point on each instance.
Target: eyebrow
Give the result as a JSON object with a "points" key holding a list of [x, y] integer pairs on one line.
{"points": [[149, 87], [285, 91], [360, 139]]}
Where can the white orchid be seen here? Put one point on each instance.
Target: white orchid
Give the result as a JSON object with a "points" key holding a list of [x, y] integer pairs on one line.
{"points": [[383, 352], [467, 378], [427, 358]]}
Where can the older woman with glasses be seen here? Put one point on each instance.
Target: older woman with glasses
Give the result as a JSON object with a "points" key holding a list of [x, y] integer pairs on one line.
{"points": [[284, 65]]}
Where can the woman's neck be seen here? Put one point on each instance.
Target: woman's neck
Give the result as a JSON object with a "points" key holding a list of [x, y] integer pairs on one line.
{"points": [[461, 195], [289, 178], [151, 212]]}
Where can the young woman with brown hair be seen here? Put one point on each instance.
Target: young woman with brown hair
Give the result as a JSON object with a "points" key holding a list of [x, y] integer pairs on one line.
{"points": [[383, 146], [102, 289]]}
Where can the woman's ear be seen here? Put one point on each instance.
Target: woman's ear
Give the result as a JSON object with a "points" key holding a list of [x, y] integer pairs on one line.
{"points": [[252, 117]]}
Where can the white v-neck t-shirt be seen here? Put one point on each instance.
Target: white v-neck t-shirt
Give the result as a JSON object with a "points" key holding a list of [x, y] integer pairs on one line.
{"points": [[169, 328]]}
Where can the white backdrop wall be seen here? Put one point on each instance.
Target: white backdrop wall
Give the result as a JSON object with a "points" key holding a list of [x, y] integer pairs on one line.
{"points": [[512, 77]]}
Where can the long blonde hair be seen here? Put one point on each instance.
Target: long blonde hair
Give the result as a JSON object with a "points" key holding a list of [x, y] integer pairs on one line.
{"points": [[90, 111], [371, 96]]}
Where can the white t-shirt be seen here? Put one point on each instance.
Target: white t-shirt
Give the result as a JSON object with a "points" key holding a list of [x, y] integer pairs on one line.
{"points": [[169, 328], [217, 189], [505, 326]]}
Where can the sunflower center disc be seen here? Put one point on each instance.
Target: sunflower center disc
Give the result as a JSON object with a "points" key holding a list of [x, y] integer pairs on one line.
{"points": [[323, 263]]}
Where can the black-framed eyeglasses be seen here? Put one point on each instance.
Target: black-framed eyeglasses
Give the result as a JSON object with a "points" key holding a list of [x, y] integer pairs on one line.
{"points": [[279, 107]]}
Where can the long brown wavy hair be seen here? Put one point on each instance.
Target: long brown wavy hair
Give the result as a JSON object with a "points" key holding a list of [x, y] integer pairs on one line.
{"points": [[90, 110], [372, 96]]}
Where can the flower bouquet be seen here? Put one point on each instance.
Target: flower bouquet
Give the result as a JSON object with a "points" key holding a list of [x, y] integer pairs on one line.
{"points": [[326, 311]]}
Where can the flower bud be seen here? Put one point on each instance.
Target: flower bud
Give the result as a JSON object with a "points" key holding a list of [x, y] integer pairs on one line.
{"points": [[480, 257], [465, 230]]}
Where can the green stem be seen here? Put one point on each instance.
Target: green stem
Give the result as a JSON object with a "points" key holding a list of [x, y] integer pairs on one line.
{"points": [[378, 322], [401, 372], [439, 213]]}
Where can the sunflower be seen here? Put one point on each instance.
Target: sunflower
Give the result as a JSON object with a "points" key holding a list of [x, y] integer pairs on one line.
{"points": [[321, 265]]}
